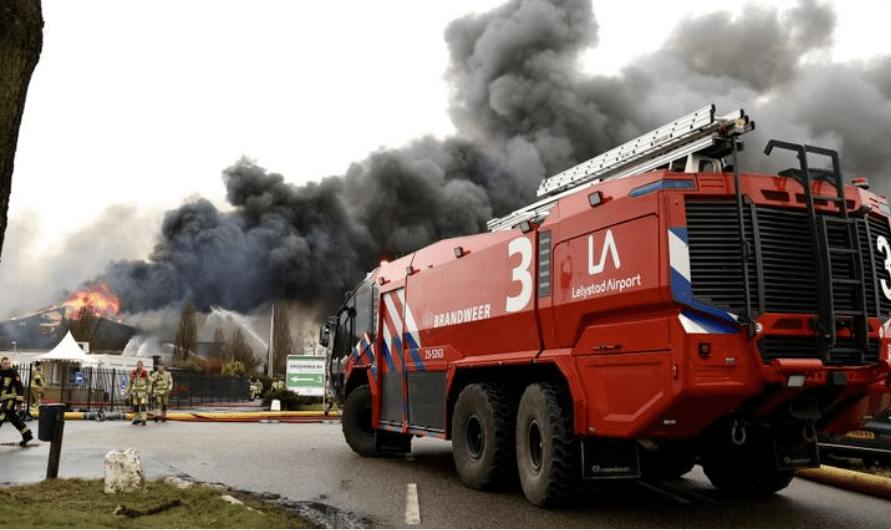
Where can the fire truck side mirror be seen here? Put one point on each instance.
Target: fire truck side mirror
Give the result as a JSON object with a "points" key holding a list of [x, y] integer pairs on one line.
{"points": [[324, 335]]}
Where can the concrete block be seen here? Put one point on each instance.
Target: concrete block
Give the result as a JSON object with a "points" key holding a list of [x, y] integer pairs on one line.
{"points": [[123, 471]]}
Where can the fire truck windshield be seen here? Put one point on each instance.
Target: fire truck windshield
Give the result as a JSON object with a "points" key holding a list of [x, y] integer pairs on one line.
{"points": [[356, 317]]}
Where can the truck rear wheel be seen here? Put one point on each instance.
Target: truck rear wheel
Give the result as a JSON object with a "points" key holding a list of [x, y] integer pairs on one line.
{"points": [[360, 434], [748, 468], [734, 475], [668, 461], [547, 454], [483, 436]]}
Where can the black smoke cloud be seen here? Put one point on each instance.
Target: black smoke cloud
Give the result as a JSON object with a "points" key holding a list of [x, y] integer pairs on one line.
{"points": [[280, 242], [523, 110], [518, 89], [762, 51]]}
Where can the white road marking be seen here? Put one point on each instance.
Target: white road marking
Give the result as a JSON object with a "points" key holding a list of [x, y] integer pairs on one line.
{"points": [[412, 508]]}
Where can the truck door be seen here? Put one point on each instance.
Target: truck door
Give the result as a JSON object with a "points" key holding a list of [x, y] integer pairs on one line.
{"points": [[393, 393], [412, 395]]}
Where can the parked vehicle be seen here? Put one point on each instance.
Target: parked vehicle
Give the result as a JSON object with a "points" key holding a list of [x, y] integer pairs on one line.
{"points": [[871, 443]]}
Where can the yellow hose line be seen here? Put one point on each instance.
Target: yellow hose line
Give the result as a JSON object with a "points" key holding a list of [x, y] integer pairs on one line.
{"points": [[876, 485], [186, 416]]}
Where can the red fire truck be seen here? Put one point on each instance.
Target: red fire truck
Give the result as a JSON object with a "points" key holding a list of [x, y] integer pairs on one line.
{"points": [[656, 309]]}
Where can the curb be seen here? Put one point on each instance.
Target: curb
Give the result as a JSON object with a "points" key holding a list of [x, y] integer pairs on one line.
{"points": [[874, 485]]}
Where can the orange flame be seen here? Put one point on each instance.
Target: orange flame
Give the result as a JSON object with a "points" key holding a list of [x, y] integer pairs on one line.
{"points": [[99, 297]]}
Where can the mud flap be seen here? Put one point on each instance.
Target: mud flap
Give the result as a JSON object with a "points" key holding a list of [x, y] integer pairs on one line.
{"points": [[796, 450], [796, 447], [610, 458]]}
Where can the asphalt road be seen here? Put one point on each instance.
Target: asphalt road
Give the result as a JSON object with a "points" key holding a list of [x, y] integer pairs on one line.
{"points": [[311, 462]]}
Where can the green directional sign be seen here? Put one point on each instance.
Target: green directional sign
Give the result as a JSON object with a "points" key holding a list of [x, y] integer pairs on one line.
{"points": [[306, 375]]}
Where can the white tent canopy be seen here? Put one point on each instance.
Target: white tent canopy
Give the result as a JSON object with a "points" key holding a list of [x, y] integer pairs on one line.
{"points": [[67, 351]]}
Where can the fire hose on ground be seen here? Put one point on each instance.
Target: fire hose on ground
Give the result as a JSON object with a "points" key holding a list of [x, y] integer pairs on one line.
{"points": [[242, 417], [875, 485]]}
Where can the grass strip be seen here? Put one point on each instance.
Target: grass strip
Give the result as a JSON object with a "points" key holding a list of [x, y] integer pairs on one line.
{"points": [[77, 503]]}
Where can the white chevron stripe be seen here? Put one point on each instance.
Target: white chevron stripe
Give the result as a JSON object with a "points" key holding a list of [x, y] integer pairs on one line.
{"points": [[410, 326], [391, 308], [690, 326], [679, 255]]}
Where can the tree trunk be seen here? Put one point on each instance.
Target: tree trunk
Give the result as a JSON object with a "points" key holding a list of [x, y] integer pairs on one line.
{"points": [[186, 340], [281, 333], [21, 40]]}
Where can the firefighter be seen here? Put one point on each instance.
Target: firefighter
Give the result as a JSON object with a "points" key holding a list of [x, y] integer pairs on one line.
{"points": [[12, 394], [138, 387], [162, 384], [256, 388], [278, 384], [36, 396]]}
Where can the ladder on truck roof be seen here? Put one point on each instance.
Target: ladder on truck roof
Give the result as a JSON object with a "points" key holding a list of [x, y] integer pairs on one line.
{"points": [[698, 135]]}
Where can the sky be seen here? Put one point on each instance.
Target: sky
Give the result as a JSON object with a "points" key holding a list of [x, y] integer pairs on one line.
{"points": [[137, 108]]}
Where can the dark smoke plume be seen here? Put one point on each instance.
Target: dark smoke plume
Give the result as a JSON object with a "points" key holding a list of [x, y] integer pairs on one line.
{"points": [[281, 242], [524, 110]]}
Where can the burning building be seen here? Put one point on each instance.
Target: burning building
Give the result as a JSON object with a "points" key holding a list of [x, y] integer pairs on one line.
{"points": [[91, 314]]}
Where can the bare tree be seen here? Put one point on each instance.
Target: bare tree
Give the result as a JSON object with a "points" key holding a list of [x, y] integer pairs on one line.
{"points": [[186, 340], [83, 326], [298, 345], [237, 349], [217, 349], [281, 335], [21, 41]]}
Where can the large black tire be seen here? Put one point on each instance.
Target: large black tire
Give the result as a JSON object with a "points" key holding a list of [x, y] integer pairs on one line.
{"points": [[547, 454], [668, 461], [355, 420], [734, 476], [483, 436], [744, 469]]}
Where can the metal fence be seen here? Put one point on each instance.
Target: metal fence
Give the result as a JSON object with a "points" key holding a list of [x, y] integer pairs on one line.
{"points": [[193, 389], [100, 389]]}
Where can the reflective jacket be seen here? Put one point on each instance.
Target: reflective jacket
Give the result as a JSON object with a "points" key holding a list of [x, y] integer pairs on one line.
{"points": [[37, 378], [162, 383], [11, 388], [139, 382]]}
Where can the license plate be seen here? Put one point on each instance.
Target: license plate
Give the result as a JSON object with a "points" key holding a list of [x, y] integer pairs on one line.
{"points": [[861, 435]]}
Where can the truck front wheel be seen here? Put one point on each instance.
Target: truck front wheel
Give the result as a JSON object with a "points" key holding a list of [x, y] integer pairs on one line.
{"points": [[483, 436], [547, 453], [360, 434]]}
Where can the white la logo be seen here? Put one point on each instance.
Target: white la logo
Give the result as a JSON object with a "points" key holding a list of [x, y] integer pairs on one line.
{"points": [[609, 245]]}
